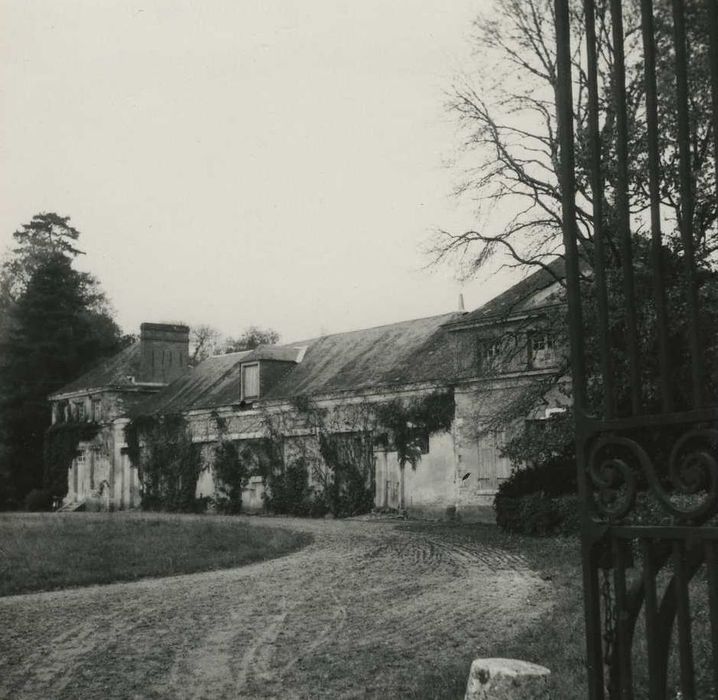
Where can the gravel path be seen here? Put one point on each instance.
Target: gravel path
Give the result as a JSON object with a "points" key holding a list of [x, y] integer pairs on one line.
{"points": [[362, 612]]}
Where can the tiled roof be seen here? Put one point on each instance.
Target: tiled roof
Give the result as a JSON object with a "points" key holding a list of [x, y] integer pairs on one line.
{"points": [[198, 386], [117, 371], [384, 356], [399, 353], [421, 350]]}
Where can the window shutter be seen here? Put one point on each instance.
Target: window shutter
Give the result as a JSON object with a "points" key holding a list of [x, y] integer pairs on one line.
{"points": [[250, 381]]}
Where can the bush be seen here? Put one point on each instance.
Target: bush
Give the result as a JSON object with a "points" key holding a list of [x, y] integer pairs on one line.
{"points": [[347, 489], [536, 514], [540, 499], [554, 477], [168, 461], [8, 495], [38, 500], [231, 475], [289, 493]]}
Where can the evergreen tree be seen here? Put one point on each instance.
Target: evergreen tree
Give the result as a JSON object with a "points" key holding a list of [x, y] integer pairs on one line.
{"points": [[59, 326]]}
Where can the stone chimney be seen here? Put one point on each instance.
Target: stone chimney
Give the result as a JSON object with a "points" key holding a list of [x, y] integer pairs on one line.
{"points": [[164, 349]]}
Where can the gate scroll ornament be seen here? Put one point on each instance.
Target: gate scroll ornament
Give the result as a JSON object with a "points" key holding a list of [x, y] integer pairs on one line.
{"points": [[638, 561]]}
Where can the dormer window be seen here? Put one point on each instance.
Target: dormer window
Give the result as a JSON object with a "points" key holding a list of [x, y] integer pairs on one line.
{"points": [[250, 382]]}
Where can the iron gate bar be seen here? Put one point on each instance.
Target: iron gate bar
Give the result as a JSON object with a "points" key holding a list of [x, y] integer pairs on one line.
{"points": [[712, 570], [713, 57], [624, 680], [685, 651], [656, 687], [623, 220], [568, 204], [707, 415], [597, 195], [666, 533], [564, 115], [686, 210], [649, 53]]}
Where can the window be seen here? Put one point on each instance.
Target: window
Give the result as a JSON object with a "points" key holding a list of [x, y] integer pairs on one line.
{"points": [[541, 341], [541, 349], [250, 382], [93, 454], [96, 410], [489, 353], [78, 410], [419, 439], [493, 467]]}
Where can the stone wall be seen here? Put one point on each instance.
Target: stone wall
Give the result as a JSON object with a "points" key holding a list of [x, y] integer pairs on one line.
{"points": [[102, 476], [456, 478]]}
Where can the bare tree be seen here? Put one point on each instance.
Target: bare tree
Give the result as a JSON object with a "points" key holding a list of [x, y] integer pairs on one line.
{"points": [[510, 160], [511, 152], [252, 337], [204, 341]]}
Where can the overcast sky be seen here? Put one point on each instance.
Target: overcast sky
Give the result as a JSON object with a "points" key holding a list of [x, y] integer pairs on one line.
{"points": [[230, 162]]}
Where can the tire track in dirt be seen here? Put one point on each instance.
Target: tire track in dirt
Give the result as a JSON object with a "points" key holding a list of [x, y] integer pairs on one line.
{"points": [[258, 655], [367, 603]]}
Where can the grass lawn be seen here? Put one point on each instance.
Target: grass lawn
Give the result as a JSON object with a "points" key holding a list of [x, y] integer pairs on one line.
{"points": [[44, 551], [558, 641]]}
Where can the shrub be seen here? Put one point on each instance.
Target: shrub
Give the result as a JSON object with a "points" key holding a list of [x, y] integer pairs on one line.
{"points": [[8, 496], [289, 492], [537, 514], [554, 477], [38, 500], [540, 499], [168, 461], [230, 473], [347, 488]]}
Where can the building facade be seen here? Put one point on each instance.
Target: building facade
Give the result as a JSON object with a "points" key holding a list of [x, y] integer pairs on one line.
{"points": [[101, 475], [480, 361]]}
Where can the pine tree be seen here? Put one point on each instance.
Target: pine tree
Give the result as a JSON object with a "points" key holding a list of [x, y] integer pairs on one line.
{"points": [[57, 332]]}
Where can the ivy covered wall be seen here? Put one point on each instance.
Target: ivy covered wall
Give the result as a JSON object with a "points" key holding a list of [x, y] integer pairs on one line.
{"points": [[314, 457]]}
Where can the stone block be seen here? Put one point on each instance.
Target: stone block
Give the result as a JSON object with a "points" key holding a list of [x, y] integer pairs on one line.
{"points": [[507, 679]]}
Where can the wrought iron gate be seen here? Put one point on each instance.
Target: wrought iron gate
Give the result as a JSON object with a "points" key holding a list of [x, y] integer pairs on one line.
{"points": [[641, 568]]}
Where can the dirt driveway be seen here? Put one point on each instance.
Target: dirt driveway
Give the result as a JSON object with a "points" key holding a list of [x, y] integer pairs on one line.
{"points": [[367, 610]]}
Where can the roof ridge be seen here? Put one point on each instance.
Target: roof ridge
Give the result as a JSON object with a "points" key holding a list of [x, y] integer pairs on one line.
{"points": [[298, 343], [228, 354]]}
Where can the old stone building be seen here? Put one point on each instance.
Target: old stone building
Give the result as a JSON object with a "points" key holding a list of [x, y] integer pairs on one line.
{"points": [[480, 361], [101, 474]]}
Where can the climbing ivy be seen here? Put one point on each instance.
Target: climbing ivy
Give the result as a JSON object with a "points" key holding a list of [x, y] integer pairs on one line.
{"points": [[348, 485], [230, 470], [336, 476], [60, 448], [167, 460], [341, 469], [288, 491], [410, 422]]}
